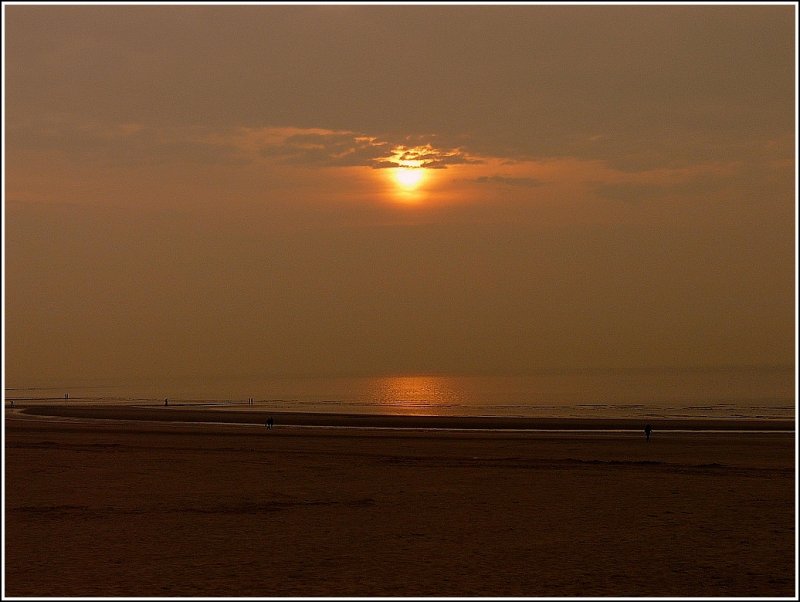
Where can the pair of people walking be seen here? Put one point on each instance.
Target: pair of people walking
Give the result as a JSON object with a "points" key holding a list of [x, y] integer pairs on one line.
{"points": [[269, 423]]}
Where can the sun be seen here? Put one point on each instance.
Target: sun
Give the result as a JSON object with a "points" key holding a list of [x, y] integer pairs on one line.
{"points": [[408, 177]]}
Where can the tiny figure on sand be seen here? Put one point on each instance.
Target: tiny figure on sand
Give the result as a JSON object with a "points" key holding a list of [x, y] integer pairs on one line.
{"points": [[269, 423], [166, 401], [647, 430]]}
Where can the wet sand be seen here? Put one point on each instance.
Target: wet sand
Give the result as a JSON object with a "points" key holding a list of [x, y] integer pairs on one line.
{"points": [[124, 507], [243, 414]]}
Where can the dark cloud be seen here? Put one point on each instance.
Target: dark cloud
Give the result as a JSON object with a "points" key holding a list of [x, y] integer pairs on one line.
{"points": [[426, 156], [339, 149], [434, 164], [334, 149], [635, 192], [125, 145], [384, 164]]}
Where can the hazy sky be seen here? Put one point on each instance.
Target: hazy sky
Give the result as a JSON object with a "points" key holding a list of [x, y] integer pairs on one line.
{"points": [[214, 189]]}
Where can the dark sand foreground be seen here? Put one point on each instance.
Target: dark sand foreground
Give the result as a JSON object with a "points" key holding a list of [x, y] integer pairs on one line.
{"points": [[141, 508]]}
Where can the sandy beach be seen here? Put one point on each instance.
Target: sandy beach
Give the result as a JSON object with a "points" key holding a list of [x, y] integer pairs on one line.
{"points": [[191, 503]]}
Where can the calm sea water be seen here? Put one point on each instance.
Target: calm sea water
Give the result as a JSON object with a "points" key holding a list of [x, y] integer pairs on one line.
{"points": [[720, 393]]}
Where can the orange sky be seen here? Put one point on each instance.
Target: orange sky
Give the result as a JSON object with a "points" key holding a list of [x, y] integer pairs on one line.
{"points": [[210, 189]]}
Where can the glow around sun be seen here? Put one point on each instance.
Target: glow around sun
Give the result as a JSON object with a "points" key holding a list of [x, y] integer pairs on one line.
{"points": [[409, 177]]}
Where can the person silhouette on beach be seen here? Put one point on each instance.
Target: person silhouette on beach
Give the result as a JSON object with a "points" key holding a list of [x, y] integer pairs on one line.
{"points": [[647, 430], [166, 402], [269, 422]]}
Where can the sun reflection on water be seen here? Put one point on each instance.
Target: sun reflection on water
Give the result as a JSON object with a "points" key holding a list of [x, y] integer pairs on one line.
{"points": [[420, 395]]}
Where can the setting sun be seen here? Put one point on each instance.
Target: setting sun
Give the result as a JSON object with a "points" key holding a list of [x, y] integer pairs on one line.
{"points": [[408, 177]]}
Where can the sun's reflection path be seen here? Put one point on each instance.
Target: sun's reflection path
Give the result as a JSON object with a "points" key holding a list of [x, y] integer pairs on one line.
{"points": [[422, 395]]}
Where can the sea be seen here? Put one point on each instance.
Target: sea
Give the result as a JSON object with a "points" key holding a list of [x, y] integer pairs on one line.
{"points": [[731, 393]]}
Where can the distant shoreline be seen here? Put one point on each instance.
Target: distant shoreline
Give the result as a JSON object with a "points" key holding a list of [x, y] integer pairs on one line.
{"points": [[193, 414]]}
